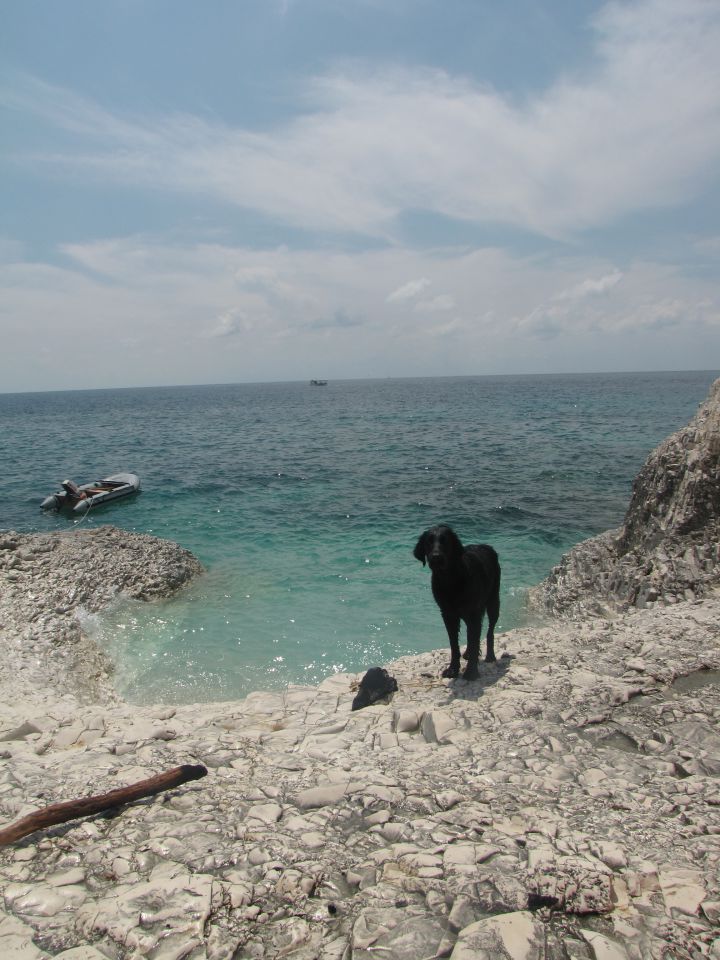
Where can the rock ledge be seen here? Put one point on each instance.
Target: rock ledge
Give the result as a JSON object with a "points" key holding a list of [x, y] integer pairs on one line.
{"points": [[668, 548]]}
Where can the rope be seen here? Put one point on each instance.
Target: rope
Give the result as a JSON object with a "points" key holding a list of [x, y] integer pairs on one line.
{"points": [[85, 515]]}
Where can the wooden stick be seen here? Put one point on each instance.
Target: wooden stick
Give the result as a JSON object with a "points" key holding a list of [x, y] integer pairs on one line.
{"points": [[72, 809]]}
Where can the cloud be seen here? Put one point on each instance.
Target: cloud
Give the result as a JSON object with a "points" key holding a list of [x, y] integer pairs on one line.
{"points": [[666, 313], [596, 306], [230, 324], [408, 291], [671, 314], [638, 130], [451, 328], [340, 320], [439, 304], [186, 318], [564, 309], [591, 287], [544, 322]]}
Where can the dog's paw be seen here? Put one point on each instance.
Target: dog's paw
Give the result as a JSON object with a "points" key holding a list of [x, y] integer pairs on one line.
{"points": [[452, 671], [471, 672]]}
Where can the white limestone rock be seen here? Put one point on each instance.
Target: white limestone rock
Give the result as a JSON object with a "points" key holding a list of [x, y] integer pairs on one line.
{"points": [[436, 725], [16, 941], [683, 890], [603, 947], [512, 936]]}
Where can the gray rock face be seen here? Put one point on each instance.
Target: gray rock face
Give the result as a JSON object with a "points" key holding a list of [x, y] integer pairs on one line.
{"points": [[668, 548]]}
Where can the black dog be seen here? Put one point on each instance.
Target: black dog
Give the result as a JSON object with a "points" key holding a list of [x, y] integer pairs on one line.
{"points": [[465, 584]]}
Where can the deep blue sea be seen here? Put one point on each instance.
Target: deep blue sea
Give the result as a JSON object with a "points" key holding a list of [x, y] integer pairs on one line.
{"points": [[304, 503]]}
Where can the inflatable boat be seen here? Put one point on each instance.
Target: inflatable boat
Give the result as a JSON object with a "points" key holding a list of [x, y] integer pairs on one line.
{"points": [[86, 495]]}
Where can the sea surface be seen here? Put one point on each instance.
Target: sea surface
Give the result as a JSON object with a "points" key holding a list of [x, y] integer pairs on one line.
{"points": [[304, 503]]}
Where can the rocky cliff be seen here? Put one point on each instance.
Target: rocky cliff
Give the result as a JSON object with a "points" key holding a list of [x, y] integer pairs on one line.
{"points": [[668, 548]]}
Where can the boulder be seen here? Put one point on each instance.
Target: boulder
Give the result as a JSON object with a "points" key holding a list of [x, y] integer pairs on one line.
{"points": [[667, 548]]}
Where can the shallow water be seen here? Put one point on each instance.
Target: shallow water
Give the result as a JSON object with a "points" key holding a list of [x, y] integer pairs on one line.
{"points": [[304, 503]]}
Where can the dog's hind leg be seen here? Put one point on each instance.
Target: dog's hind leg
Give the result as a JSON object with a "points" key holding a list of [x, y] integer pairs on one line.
{"points": [[452, 625], [472, 654], [493, 612]]}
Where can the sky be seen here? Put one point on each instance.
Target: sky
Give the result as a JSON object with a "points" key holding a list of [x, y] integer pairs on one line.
{"points": [[256, 190]]}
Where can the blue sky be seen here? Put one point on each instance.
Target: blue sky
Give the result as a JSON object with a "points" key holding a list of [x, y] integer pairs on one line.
{"points": [[286, 189]]}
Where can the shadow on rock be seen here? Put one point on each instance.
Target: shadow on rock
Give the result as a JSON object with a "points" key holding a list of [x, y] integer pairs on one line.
{"points": [[490, 673]]}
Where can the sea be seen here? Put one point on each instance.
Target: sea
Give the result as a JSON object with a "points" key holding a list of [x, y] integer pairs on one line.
{"points": [[304, 504]]}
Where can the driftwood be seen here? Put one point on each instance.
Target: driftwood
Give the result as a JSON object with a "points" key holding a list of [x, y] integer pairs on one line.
{"points": [[72, 809]]}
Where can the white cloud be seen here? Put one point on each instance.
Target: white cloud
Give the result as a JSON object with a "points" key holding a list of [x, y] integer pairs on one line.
{"points": [[439, 304], [565, 309], [591, 287], [184, 316], [451, 328], [652, 299], [640, 130], [408, 291], [230, 324], [341, 320], [671, 313]]}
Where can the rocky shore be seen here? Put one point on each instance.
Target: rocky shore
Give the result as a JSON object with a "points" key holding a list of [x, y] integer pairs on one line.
{"points": [[565, 806], [47, 579], [668, 548]]}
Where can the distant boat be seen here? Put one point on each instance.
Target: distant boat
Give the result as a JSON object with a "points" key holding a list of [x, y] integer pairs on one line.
{"points": [[318, 383], [87, 495]]}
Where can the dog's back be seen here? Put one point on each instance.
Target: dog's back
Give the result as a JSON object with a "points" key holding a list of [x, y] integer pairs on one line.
{"points": [[483, 560], [470, 582]]}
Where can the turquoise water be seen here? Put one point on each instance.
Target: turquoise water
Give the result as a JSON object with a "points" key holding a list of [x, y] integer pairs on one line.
{"points": [[304, 504]]}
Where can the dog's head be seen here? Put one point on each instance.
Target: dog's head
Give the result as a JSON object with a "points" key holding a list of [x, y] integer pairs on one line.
{"points": [[440, 546]]}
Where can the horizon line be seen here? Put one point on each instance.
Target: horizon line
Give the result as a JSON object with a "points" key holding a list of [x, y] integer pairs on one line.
{"points": [[451, 376]]}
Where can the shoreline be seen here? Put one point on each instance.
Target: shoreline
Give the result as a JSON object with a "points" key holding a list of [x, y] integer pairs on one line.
{"points": [[48, 578]]}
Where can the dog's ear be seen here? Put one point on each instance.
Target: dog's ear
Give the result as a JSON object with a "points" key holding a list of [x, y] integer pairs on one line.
{"points": [[419, 551], [454, 544]]}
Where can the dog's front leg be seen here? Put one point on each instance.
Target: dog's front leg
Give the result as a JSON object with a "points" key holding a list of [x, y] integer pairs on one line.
{"points": [[452, 625], [472, 654]]}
